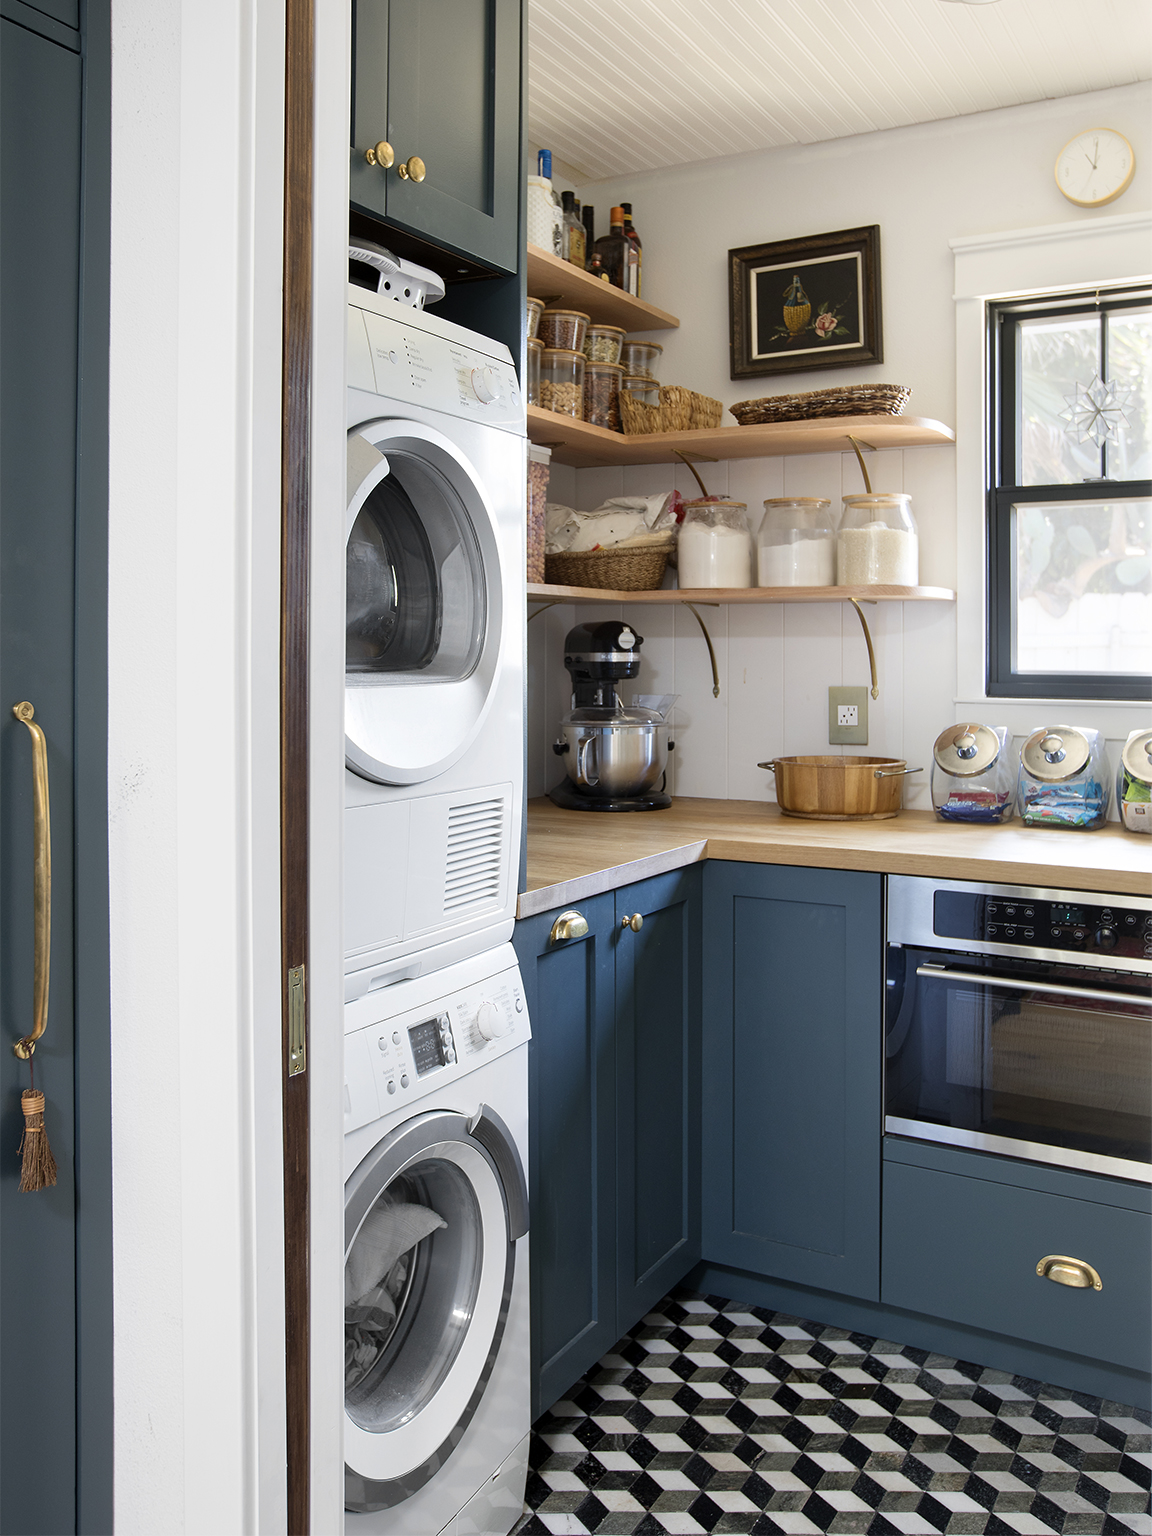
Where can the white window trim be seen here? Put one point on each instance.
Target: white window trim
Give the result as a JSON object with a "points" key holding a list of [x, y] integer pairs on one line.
{"points": [[1018, 263]]}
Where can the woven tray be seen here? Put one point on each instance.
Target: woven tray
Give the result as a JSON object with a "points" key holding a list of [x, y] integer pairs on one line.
{"points": [[848, 400], [683, 410], [611, 570]]}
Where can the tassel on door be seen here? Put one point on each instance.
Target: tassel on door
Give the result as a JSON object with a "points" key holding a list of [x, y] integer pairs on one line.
{"points": [[38, 1166]]}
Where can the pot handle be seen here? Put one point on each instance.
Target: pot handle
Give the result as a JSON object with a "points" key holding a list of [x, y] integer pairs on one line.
{"points": [[894, 773], [771, 766], [581, 763]]}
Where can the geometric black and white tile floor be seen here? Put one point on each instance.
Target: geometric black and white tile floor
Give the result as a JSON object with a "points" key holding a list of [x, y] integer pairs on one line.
{"points": [[711, 1416]]}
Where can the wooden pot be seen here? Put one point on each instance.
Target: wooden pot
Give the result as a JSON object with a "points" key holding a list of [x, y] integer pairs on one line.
{"points": [[839, 788]]}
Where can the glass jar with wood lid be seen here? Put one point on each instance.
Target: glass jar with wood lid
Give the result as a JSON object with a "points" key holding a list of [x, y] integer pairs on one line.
{"points": [[562, 381]]}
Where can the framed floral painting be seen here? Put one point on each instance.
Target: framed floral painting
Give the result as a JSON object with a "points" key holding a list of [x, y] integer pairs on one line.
{"points": [[809, 303]]}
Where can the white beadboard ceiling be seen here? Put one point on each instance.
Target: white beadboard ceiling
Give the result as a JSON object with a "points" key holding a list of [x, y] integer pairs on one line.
{"points": [[628, 85]]}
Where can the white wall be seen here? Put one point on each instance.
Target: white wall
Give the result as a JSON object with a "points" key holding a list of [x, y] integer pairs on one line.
{"points": [[923, 186]]}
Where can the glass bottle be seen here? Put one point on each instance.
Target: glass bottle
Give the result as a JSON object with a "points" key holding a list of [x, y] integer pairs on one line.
{"points": [[588, 219], [618, 255], [544, 171], [596, 267], [573, 231], [630, 231]]}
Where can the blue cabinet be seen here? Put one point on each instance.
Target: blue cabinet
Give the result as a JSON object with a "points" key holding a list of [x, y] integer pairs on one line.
{"points": [[614, 1143], [792, 1074]]}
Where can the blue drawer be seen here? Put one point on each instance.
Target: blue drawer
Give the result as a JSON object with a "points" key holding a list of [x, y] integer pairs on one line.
{"points": [[964, 1247]]}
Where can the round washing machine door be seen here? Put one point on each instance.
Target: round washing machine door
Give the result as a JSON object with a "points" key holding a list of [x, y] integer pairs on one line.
{"points": [[431, 1219], [424, 603]]}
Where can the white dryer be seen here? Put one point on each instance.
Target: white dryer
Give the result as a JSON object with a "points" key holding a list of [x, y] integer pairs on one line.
{"points": [[436, 1418], [434, 680]]}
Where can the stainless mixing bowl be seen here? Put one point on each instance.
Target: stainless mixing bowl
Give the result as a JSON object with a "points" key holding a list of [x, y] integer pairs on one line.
{"points": [[614, 760]]}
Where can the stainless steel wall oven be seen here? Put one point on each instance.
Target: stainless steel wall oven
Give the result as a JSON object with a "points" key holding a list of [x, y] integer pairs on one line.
{"points": [[1019, 1021]]}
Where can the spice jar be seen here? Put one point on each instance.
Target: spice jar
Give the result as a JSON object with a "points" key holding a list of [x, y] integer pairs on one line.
{"points": [[532, 370], [562, 381], [715, 545], [642, 389], [796, 543], [877, 544], [535, 309], [564, 328], [603, 343], [641, 358], [602, 394]]}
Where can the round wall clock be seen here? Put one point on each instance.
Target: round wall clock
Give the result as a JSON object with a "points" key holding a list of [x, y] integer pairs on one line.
{"points": [[1095, 167]]}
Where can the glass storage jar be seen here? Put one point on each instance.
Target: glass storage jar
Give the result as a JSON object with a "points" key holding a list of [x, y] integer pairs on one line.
{"points": [[973, 774], [532, 370], [796, 545], [603, 342], [641, 358], [535, 309], [1134, 782], [564, 328], [1064, 779], [643, 390], [562, 381], [602, 394], [877, 544], [715, 545]]}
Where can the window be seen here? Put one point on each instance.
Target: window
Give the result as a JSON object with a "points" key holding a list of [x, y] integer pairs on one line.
{"points": [[1070, 498]]}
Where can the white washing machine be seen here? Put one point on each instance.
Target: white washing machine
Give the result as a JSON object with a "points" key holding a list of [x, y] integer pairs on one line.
{"points": [[436, 1407], [434, 680]]}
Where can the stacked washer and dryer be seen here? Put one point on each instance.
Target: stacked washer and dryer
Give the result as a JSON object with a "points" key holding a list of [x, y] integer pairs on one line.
{"points": [[436, 1414]]}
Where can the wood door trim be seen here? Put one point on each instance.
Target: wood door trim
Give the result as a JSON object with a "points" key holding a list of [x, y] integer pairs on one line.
{"points": [[295, 534]]}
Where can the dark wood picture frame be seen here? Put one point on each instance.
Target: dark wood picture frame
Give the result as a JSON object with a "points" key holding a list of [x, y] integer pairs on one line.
{"points": [[833, 320]]}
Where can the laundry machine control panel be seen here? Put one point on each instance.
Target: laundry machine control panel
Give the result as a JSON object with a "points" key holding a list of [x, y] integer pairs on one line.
{"points": [[393, 1058]]}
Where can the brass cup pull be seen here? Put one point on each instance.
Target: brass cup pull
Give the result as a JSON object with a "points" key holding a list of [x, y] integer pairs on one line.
{"points": [[381, 154], [41, 882], [569, 925], [635, 922], [1065, 1271], [412, 169]]}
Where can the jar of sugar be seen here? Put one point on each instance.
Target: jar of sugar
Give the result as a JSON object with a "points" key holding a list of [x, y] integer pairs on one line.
{"points": [[715, 545], [796, 543], [877, 545]]}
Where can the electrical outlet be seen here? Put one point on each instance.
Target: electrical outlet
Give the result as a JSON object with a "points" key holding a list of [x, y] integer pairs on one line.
{"points": [[848, 717]]}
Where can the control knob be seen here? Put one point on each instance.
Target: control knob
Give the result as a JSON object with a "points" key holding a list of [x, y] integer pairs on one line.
{"points": [[485, 385], [1105, 938], [491, 1022]]}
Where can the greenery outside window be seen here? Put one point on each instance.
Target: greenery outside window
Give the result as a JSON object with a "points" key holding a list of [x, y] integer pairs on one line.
{"points": [[1070, 498]]}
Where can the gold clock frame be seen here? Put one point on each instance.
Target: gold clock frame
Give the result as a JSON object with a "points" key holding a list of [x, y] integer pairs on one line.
{"points": [[1099, 202]]}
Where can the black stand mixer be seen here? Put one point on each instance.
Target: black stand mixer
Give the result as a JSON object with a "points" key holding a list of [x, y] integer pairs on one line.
{"points": [[615, 757]]}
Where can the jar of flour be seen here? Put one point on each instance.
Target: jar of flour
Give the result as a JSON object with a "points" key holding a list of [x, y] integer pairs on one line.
{"points": [[877, 545], [715, 545]]}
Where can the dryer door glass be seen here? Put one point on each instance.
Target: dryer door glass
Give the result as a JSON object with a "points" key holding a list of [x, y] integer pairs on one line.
{"points": [[415, 580]]}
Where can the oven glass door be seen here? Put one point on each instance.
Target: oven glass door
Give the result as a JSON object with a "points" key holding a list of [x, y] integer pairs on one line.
{"points": [[1047, 1064]]}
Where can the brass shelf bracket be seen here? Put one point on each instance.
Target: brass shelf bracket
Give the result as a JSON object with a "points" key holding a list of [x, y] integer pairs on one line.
{"points": [[868, 643], [711, 649], [703, 458], [857, 444]]}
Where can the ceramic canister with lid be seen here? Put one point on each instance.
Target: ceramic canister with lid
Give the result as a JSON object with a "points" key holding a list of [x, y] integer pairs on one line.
{"points": [[877, 544], [973, 774], [1134, 782], [796, 545], [715, 545], [1064, 779]]}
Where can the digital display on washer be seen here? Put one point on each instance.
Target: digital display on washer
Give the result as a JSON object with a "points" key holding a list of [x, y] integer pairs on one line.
{"points": [[427, 1042]]}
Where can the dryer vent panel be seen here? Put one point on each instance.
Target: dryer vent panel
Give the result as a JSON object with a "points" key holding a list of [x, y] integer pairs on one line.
{"points": [[459, 869], [475, 855]]}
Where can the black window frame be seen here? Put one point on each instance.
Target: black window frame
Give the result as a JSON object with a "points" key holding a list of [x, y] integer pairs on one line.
{"points": [[1003, 493]]}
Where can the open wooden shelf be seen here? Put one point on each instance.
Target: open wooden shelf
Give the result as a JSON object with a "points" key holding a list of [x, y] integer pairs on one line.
{"points": [[580, 444], [718, 595], [559, 282]]}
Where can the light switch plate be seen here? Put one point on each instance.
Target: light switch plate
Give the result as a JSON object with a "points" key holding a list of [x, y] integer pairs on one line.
{"points": [[848, 717]]}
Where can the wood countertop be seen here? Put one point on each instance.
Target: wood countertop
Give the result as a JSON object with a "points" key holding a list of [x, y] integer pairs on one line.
{"points": [[576, 854]]}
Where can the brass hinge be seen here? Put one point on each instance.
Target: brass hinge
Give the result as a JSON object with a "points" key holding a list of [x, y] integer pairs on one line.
{"points": [[297, 1035]]}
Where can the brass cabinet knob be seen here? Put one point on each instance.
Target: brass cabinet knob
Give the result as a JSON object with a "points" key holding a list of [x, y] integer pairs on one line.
{"points": [[635, 922], [413, 169], [1066, 1271], [569, 925], [381, 154]]}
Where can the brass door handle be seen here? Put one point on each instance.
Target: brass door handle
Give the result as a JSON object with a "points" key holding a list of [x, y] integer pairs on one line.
{"points": [[1066, 1271], [412, 169], [41, 882], [635, 922], [569, 925], [381, 154]]}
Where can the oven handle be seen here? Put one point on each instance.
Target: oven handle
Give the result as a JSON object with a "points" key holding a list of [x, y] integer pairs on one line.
{"points": [[942, 973]]}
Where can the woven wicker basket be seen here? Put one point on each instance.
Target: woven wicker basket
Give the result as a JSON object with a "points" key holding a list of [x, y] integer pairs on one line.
{"points": [[637, 418], [683, 410], [848, 400], [611, 570]]}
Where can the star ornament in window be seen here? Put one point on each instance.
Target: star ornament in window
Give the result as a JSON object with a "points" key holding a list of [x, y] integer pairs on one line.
{"points": [[1096, 411]]}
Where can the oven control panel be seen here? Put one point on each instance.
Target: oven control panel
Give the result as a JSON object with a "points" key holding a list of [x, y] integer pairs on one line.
{"points": [[1083, 927]]}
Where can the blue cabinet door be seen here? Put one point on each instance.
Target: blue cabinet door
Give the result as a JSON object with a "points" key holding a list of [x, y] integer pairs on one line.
{"points": [[792, 1074], [657, 1088], [572, 1146]]}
